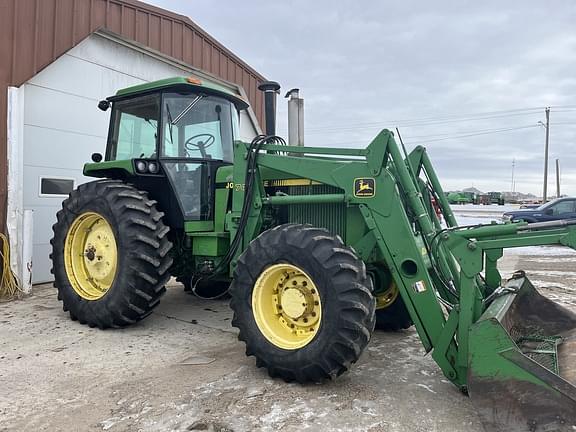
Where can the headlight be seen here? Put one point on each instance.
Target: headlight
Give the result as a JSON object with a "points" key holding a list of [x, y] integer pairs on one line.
{"points": [[153, 168], [141, 166]]}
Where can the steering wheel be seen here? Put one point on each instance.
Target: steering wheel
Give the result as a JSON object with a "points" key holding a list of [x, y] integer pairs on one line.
{"points": [[200, 144]]}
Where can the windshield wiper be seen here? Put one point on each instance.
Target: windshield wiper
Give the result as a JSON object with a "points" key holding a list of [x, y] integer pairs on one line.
{"points": [[186, 110], [170, 123]]}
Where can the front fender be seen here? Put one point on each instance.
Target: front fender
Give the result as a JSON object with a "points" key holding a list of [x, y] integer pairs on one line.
{"points": [[109, 169]]}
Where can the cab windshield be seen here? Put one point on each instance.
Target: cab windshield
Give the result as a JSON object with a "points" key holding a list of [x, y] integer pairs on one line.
{"points": [[196, 126]]}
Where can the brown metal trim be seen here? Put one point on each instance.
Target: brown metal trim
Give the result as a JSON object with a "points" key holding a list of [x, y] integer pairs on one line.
{"points": [[34, 33]]}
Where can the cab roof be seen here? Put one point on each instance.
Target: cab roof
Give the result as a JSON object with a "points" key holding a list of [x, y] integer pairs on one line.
{"points": [[193, 83]]}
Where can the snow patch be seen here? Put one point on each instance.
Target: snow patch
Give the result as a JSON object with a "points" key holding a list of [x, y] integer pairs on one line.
{"points": [[424, 386]]}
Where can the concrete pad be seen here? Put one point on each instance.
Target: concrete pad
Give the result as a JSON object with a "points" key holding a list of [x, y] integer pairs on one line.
{"points": [[183, 369]]}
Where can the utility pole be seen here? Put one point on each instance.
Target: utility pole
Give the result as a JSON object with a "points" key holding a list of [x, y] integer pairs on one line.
{"points": [[544, 197], [512, 187], [557, 178]]}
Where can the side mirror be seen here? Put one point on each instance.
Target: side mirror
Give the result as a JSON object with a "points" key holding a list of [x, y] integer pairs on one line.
{"points": [[549, 211], [104, 105], [96, 157]]}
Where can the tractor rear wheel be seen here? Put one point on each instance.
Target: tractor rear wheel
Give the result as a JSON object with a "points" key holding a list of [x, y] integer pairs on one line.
{"points": [[303, 303], [110, 254]]}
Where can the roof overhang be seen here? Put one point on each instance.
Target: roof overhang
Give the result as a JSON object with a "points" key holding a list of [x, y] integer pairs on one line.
{"points": [[212, 82]]}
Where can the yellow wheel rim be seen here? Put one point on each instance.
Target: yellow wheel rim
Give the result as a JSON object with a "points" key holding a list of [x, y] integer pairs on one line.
{"points": [[286, 306], [387, 297], [90, 256]]}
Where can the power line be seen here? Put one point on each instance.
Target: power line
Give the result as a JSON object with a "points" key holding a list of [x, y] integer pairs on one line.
{"points": [[475, 134], [447, 134], [487, 132], [420, 124], [467, 132], [425, 121]]}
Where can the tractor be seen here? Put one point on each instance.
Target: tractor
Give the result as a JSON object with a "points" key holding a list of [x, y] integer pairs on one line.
{"points": [[315, 246], [496, 198]]}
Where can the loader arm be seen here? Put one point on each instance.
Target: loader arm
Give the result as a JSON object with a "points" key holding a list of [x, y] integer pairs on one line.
{"points": [[448, 279], [387, 226]]}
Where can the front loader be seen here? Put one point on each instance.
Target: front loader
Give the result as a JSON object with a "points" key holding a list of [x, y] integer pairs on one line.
{"points": [[318, 246]]}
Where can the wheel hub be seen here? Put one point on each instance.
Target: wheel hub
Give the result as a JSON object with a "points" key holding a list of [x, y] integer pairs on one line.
{"points": [[385, 299], [90, 256], [293, 302], [286, 306], [98, 257]]}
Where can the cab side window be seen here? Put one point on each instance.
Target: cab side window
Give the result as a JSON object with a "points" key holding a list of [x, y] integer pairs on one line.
{"points": [[135, 128]]}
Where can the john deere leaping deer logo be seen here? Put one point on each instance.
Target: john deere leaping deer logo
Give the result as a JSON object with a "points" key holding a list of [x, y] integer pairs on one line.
{"points": [[364, 187]]}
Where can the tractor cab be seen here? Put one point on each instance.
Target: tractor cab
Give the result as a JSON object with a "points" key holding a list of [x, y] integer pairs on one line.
{"points": [[170, 137]]}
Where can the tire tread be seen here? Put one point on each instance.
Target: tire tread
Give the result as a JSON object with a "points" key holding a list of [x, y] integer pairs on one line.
{"points": [[145, 271], [350, 283]]}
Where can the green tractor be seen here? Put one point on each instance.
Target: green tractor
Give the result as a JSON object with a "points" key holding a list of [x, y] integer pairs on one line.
{"points": [[496, 198], [316, 246], [460, 198]]}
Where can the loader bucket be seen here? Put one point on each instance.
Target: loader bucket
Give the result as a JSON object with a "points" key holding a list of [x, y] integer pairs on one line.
{"points": [[522, 362]]}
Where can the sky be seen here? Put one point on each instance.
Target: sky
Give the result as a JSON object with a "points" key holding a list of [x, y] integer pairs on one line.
{"points": [[468, 80]]}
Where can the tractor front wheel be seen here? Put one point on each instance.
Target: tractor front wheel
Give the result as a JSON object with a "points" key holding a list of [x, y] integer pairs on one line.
{"points": [[391, 312], [110, 254], [303, 303]]}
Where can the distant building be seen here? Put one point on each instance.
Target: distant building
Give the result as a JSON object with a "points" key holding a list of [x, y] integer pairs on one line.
{"points": [[59, 58]]}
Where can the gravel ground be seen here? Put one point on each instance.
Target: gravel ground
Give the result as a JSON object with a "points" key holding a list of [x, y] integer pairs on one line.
{"points": [[182, 369]]}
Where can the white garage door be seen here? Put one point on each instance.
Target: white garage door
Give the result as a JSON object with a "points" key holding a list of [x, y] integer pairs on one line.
{"points": [[63, 126]]}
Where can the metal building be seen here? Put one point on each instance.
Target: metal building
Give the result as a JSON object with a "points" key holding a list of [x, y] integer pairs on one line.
{"points": [[58, 59]]}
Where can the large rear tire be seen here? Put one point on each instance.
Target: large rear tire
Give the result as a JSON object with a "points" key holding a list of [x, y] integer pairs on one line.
{"points": [[303, 303], [110, 254]]}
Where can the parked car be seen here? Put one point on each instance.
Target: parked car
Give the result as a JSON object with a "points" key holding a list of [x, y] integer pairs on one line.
{"points": [[560, 208], [529, 206]]}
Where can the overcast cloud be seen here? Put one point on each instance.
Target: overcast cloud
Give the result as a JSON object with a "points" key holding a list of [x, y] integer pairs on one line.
{"points": [[363, 66]]}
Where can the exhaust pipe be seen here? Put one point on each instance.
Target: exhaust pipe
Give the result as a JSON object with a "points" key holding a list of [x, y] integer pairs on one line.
{"points": [[270, 89], [295, 118]]}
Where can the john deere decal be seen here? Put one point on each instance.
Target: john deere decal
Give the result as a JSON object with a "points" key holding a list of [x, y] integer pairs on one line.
{"points": [[364, 187]]}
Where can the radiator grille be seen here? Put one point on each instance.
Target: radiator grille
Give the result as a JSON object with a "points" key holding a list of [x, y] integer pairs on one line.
{"points": [[329, 216]]}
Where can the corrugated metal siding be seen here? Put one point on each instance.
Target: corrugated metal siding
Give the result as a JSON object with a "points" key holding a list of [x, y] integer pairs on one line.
{"points": [[33, 33]]}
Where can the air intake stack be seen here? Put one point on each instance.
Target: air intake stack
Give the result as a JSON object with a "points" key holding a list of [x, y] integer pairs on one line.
{"points": [[270, 89]]}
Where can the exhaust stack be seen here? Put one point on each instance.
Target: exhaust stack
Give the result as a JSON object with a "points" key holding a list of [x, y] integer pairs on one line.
{"points": [[270, 89], [295, 118]]}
